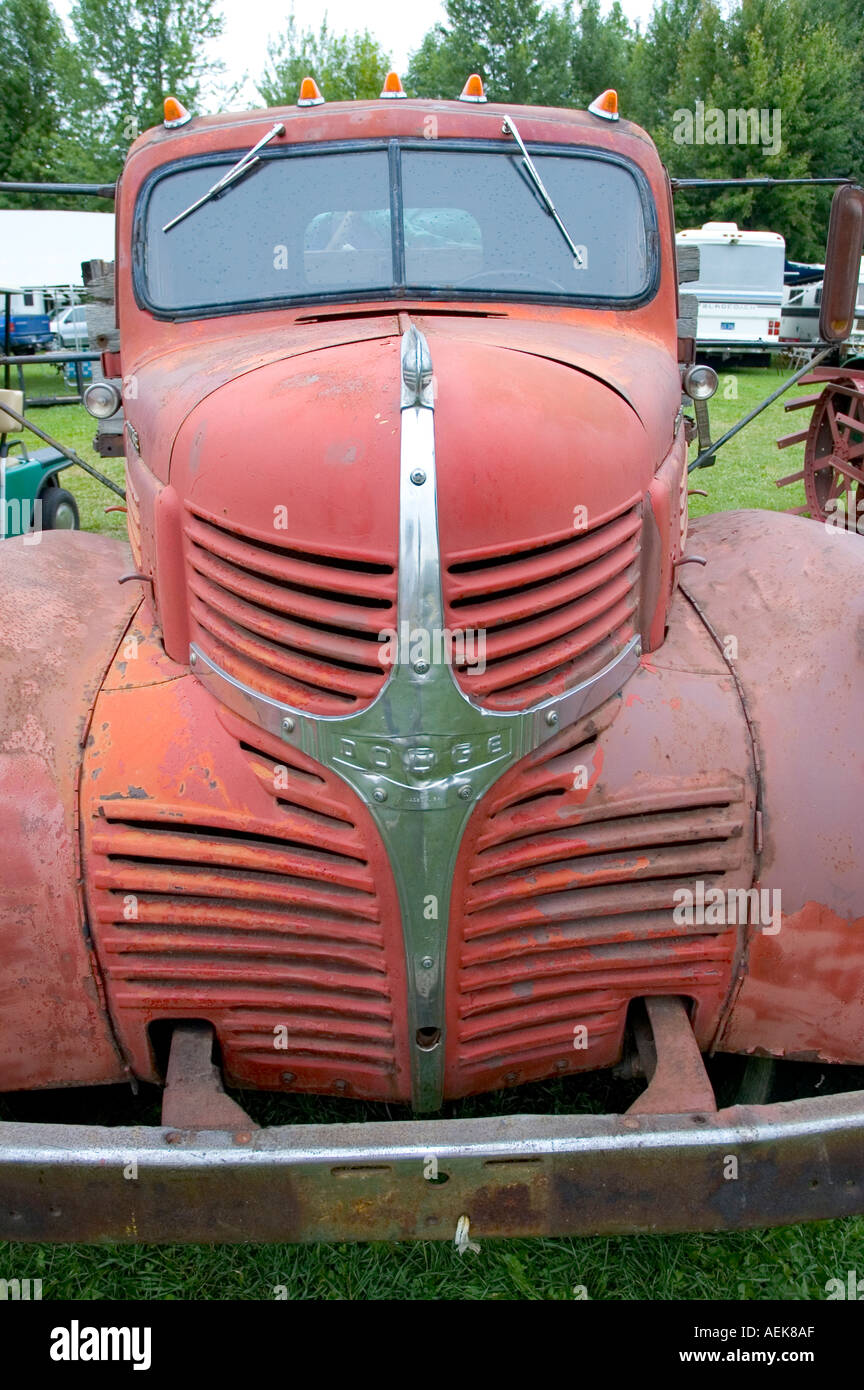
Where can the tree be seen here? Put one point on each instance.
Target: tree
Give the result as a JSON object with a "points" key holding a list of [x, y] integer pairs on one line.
{"points": [[521, 51], [131, 55], [657, 55], [346, 67], [601, 53], [36, 60], [771, 57]]}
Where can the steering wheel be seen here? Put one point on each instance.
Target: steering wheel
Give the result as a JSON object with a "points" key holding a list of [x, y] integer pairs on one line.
{"points": [[484, 275]]}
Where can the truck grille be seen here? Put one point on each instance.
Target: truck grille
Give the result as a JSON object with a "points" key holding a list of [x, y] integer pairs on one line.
{"points": [[552, 615], [257, 924], [562, 914], [300, 627]]}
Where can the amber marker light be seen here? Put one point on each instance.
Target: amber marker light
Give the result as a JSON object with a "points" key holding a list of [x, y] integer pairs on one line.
{"points": [[473, 89], [606, 105], [392, 86], [310, 93], [174, 113]]}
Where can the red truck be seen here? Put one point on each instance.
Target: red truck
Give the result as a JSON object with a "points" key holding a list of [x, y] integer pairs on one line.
{"points": [[422, 750]]}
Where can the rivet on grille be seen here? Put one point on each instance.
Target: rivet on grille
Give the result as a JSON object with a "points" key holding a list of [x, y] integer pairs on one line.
{"points": [[421, 667], [379, 794], [427, 962], [193, 660], [418, 476], [288, 726], [552, 717], [466, 792]]}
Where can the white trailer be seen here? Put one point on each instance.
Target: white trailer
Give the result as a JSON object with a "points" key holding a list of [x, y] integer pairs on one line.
{"points": [[740, 288]]}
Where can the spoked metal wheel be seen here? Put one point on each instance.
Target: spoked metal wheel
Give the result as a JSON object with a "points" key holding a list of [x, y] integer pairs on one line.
{"points": [[834, 453]]}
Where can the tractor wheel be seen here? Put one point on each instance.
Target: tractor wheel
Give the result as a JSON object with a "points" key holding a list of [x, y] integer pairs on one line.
{"points": [[834, 452], [59, 510]]}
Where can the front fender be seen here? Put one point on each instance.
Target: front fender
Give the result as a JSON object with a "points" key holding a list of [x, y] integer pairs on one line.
{"points": [[62, 615], [785, 597]]}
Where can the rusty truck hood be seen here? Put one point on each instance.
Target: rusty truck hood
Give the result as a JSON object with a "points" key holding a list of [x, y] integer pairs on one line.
{"points": [[531, 425], [636, 368]]}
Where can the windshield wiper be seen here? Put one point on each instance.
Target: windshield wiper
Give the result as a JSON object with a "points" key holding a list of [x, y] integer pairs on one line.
{"points": [[244, 164], [509, 128]]}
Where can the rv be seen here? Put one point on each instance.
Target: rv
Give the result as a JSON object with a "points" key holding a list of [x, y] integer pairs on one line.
{"points": [[740, 288]]}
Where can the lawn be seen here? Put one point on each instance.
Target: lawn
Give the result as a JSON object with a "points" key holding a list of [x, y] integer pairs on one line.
{"points": [[787, 1263]]}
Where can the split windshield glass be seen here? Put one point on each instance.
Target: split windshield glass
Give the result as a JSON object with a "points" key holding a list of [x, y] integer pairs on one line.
{"points": [[436, 220]]}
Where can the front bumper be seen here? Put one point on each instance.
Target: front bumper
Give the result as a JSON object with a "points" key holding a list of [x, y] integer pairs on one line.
{"points": [[524, 1175]]}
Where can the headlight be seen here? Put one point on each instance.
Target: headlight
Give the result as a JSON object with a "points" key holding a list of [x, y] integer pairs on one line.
{"points": [[101, 399], [700, 382]]}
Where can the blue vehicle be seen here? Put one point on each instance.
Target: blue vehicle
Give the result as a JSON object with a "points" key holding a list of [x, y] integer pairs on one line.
{"points": [[29, 325]]}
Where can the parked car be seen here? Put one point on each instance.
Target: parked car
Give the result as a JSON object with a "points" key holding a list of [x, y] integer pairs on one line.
{"points": [[70, 329]]}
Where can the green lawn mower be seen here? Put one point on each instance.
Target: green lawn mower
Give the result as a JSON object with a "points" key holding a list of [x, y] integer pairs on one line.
{"points": [[31, 498]]}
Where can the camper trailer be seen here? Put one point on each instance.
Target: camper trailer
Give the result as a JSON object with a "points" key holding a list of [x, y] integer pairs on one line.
{"points": [[739, 290]]}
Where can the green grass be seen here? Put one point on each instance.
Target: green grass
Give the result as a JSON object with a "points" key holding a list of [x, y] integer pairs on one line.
{"points": [[747, 468], [786, 1263]]}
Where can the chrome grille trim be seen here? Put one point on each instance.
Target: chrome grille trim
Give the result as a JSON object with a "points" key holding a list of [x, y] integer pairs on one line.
{"points": [[422, 745]]}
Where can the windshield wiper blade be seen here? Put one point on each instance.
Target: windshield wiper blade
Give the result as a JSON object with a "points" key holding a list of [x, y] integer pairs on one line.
{"points": [[509, 128], [246, 162]]}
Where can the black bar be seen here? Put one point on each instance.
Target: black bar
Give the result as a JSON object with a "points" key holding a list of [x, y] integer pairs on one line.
{"points": [[7, 333], [89, 190], [742, 183], [16, 359]]}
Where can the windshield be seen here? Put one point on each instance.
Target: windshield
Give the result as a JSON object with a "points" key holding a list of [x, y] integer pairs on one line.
{"points": [[433, 219]]}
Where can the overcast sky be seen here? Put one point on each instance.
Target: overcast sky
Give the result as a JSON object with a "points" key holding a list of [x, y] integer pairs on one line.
{"points": [[398, 26]]}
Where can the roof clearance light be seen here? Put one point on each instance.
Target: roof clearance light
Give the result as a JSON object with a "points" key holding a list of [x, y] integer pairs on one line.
{"points": [[310, 93], [392, 86], [174, 113], [606, 105], [473, 89]]}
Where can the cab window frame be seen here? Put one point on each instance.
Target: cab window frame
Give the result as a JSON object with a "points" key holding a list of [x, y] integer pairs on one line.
{"points": [[398, 292]]}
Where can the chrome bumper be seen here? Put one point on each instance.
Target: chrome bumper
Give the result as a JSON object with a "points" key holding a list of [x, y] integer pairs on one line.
{"points": [[524, 1175]]}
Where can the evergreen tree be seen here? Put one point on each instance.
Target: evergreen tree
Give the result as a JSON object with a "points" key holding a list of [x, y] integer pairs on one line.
{"points": [[36, 67], [131, 54], [346, 67]]}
